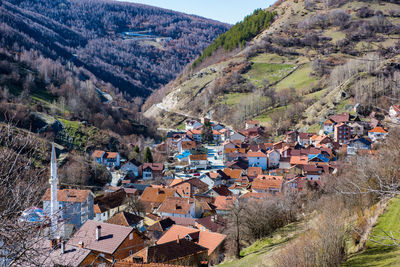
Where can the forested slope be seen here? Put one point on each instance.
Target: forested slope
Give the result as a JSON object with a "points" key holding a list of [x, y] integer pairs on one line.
{"points": [[134, 47]]}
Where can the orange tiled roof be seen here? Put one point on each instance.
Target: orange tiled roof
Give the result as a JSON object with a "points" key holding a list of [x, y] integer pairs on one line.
{"points": [[298, 160], [377, 129], [206, 239], [224, 202], [68, 195], [233, 173], [98, 153], [266, 182], [158, 195], [258, 154], [177, 205]]}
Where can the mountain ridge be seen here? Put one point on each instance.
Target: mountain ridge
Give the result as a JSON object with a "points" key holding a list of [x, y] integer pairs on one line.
{"points": [[93, 34], [289, 68]]}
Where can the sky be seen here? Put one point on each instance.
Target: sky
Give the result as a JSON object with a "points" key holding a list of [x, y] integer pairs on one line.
{"points": [[229, 11]]}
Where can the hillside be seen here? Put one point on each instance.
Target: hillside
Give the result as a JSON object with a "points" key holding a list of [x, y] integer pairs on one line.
{"points": [[136, 48], [316, 58]]}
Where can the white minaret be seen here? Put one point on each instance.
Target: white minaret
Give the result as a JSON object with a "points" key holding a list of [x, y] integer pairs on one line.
{"points": [[53, 184]]}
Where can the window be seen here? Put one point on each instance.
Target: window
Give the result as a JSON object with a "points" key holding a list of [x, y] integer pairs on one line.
{"points": [[130, 237], [130, 252]]}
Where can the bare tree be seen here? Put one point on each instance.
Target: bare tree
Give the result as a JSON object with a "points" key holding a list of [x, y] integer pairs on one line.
{"points": [[21, 187]]}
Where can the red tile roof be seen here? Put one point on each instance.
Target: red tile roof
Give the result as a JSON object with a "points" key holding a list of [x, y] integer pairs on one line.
{"points": [[176, 205], [224, 202], [157, 195], [339, 118], [206, 239], [233, 173], [377, 129], [257, 154], [266, 182], [98, 153], [68, 195]]}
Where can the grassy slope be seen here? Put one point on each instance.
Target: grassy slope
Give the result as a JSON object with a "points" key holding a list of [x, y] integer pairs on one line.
{"points": [[377, 254], [259, 253]]}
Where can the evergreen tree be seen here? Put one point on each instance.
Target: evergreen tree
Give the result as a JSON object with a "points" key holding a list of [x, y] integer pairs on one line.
{"points": [[136, 149], [148, 157], [207, 133]]}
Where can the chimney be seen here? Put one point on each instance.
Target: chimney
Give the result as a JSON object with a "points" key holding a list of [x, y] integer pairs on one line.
{"points": [[98, 232], [63, 247], [81, 244], [177, 239]]}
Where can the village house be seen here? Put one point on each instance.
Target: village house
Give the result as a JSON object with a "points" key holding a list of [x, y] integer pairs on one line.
{"points": [[304, 139], [267, 184], [186, 145], [131, 168], [223, 204], [152, 197], [58, 253], [172, 140], [329, 126], [340, 118], [251, 124], [75, 206], [212, 241], [274, 158], [220, 190], [213, 223], [105, 206], [195, 134], [126, 219], [312, 172], [178, 207], [179, 252], [224, 134], [110, 241], [108, 159], [357, 128], [192, 124], [342, 133], [151, 171], [376, 134], [156, 229], [291, 136], [284, 163], [189, 187], [394, 113], [257, 159], [253, 172], [198, 162], [233, 174], [237, 137], [359, 144]]}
